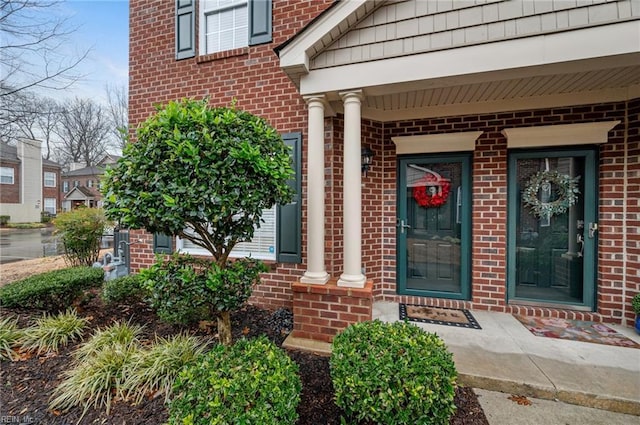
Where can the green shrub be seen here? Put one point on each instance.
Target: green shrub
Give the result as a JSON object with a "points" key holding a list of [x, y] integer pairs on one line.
{"points": [[10, 336], [251, 382], [635, 304], [183, 289], [98, 373], [52, 291], [51, 332], [45, 217], [154, 370], [126, 289], [81, 231], [393, 374], [177, 289], [4, 219]]}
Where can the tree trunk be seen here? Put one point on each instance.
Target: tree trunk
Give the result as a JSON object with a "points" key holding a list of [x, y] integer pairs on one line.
{"points": [[224, 328]]}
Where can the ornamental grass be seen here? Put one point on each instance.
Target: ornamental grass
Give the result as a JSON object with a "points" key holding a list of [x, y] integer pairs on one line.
{"points": [[52, 332], [154, 370], [10, 336]]}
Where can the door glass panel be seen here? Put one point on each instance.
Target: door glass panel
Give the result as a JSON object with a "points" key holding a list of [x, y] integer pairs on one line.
{"points": [[550, 247], [434, 237]]}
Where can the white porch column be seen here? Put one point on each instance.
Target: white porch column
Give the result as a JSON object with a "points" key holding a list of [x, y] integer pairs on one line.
{"points": [[316, 271], [352, 203]]}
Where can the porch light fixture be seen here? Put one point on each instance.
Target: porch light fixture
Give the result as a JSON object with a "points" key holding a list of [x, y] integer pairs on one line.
{"points": [[366, 156]]}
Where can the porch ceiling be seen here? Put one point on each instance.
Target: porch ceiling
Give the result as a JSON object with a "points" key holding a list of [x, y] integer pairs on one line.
{"points": [[495, 92]]}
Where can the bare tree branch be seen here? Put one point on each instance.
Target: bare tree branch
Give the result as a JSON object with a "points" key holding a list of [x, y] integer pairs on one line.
{"points": [[84, 132], [30, 116], [118, 107], [32, 52]]}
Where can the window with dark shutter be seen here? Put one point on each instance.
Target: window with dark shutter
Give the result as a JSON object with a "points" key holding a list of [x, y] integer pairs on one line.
{"points": [[228, 24], [259, 22], [162, 244], [289, 227], [185, 29]]}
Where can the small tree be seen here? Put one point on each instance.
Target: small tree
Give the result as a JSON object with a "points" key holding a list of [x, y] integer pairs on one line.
{"points": [[204, 174], [81, 231]]}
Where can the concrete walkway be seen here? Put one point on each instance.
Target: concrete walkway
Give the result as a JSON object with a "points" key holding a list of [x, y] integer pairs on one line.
{"points": [[504, 356]]}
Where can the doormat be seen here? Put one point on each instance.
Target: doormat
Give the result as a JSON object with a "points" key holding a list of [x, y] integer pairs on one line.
{"points": [[575, 330], [459, 318]]}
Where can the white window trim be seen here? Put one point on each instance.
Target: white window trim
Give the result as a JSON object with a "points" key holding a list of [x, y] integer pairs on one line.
{"points": [[51, 174], [464, 141], [236, 252], [559, 135], [65, 186], [2, 175], [202, 16], [44, 207]]}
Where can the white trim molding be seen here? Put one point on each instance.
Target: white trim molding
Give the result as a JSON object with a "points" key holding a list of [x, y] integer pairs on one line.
{"points": [[559, 135], [521, 57], [434, 143]]}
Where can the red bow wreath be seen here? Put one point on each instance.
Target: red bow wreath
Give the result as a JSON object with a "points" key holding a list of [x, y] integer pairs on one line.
{"points": [[432, 200]]}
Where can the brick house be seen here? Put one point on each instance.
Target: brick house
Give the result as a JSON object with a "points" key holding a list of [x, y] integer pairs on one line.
{"points": [[467, 103], [81, 185], [24, 194]]}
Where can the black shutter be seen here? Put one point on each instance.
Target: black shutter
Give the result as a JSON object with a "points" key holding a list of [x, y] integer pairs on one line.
{"points": [[259, 22], [162, 244], [185, 29], [289, 224]]}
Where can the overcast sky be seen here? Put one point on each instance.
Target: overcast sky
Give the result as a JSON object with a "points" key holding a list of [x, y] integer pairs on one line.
{"points": [[104, 29]]}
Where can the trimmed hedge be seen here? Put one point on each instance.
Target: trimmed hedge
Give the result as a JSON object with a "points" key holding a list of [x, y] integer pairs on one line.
{"points": [[51, 291], [126, 289], [393, 373], [252, 382]]}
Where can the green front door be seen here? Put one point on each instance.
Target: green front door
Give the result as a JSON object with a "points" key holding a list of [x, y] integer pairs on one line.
{"points": [[552, 234], [433, 227]]}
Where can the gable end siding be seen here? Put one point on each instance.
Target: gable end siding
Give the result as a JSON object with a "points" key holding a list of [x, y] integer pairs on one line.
{"points": [[416, 26]]}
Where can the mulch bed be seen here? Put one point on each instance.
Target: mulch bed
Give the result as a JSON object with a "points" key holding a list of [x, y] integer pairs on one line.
{"points": [[28, 384]]}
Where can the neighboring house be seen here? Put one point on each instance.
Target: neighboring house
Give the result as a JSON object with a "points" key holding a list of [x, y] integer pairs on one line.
{"points": [[461, 103], [28, 183], [81, 185]]}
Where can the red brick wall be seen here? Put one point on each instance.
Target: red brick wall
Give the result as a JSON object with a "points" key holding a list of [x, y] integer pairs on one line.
{"points": [[631, 258], [617, 269], [10, 193], [321, 311], [52, 192], [251, 76]]}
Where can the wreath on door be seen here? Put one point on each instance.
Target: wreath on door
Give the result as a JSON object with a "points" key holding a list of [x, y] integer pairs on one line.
{"points": [[432, 190], [565, 187]]}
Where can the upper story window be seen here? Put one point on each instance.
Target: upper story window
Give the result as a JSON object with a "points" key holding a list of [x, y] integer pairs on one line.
{"points": [[49, 179], [6, 175], [223, 25], [65, 186], [76, 183], [89, 183]]}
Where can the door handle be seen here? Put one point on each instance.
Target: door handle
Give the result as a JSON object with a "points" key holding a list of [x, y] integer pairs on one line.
{"points": [[593, 228], [400, 224]]}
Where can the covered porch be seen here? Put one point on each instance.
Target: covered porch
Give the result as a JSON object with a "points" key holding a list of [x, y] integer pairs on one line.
{"points": [[387, 76]]}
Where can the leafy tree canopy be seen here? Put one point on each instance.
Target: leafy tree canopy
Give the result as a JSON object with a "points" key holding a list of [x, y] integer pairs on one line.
{"points": [[199, 172]]}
